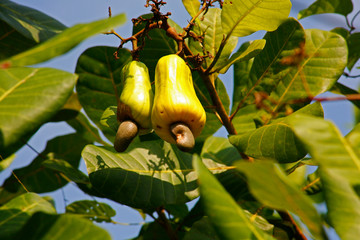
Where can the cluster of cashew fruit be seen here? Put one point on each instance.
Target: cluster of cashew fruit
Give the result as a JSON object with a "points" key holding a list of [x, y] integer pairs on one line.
{"points": [[175, 112]]}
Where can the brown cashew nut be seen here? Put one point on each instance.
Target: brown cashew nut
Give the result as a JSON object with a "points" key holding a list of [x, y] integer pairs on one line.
{"points": [[184, 138], [126, 132]]}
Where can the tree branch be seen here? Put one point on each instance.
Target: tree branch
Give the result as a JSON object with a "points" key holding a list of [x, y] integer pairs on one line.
{"points": [[164, 221]]}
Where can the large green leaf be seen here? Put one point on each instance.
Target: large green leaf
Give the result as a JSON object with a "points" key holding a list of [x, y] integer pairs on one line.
{"points": [[43, 226], [99, 81], [63, 42], [29, 22], [276, 140], [271, 187], [326, 58], [28, 98], [243, 17], [209, 26], [242, 83], [12, 42], [192, 6], [228, 219], [202, 229], [149, 174], [279, 44], [93, 210], [220, 150], [15, 213], [343, 7], [339, 171], [36, 178], [353, 42]]}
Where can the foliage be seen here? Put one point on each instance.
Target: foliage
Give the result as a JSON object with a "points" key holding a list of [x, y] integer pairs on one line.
{"points": [[253, 184]]}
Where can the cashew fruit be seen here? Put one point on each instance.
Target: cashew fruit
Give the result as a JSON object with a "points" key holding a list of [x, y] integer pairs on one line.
{"points": [[177, 115], [135, 105]]}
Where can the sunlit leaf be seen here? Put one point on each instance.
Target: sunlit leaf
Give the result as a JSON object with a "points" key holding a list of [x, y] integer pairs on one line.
{"points": [[29, 97], [15, 213], [99, 81], [276, 140], [43, 226], [254, 49], [241, 18], [339, 171], [343, 7], [191, 6], [149, 174], [271, 187], [228, 219], [63, 42], [93, 210], [220, 150], [326, 58]]}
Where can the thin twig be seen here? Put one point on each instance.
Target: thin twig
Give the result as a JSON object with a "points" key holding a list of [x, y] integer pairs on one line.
{"points": [[164, 221]]}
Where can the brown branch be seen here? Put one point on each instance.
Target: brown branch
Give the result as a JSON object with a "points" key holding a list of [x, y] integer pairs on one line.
{"points": [[164, 221], [285, 216]]}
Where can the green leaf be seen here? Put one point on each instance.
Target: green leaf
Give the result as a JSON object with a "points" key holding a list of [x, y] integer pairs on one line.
{"points": [[220, 150], [36, 178], [324, 64], [276, 140], [15, 213], [209, 26], [29, 22], [343, 7], [67, 169], [267, 68], [12, 42], [148, 175], [228, 219], [244, 119], [242, 83], [63, 42], [192, 6], [29, 97], [70, 109], [99, 81], [93, 210], [254, 49], [241, 18], [339, 171], [271, 187], [202, 229], [43, 226], [5, 163], [353, 42]]}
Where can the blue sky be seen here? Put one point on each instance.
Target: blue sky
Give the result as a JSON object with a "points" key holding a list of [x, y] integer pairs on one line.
{"points": [[71, 12]]}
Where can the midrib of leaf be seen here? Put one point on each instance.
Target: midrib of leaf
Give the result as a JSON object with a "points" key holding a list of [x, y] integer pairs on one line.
{"points": [[12, 89], [7, 34], [267, 69], [242, 18], [299, 69], [21, 211]]}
